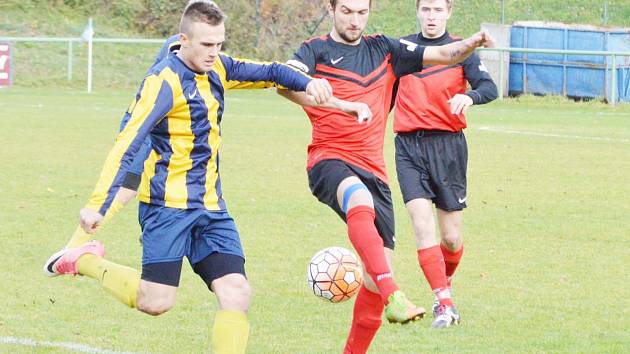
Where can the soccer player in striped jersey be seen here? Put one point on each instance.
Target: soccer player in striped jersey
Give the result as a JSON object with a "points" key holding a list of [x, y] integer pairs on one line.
{"points": [[129, 188], [346, 167], [431, 152], [182, 211]]}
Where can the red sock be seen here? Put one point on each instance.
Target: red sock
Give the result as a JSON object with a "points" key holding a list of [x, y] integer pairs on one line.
{"points": [[451, 259], [432, 264], [366, 320], [369, 245]]}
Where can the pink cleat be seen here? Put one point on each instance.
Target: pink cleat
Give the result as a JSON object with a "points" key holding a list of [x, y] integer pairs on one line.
{"points": [[65, 261]]}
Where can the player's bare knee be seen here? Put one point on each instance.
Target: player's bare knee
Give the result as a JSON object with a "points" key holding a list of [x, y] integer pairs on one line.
{"points": [[352, 193], [361, 197], [451, 237], [233, 292], [155, 298], [450, 228], [452, 240], [242, 293], [154, 309], [155, 306]]}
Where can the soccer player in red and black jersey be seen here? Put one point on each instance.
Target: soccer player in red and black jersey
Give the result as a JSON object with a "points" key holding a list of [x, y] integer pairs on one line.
{"points": [[431, 151], [346, 168]]}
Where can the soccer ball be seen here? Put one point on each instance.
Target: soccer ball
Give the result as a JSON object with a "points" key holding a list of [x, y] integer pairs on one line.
{"points": [[334, 274]]}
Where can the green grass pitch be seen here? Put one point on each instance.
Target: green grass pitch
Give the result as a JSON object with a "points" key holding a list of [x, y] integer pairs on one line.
{"points": [[547, 232]]}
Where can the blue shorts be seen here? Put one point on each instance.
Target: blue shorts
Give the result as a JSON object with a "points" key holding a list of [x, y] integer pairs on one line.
{"points": [[169, 234]]}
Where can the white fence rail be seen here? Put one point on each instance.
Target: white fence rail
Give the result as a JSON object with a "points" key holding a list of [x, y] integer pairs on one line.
{"points": [[501, 79], [71, 42]]}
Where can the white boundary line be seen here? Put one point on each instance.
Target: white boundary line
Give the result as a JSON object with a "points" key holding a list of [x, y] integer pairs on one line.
{"points": [[65, 345], [83, 107], [551, 135], [64, 107], [571, 112]]}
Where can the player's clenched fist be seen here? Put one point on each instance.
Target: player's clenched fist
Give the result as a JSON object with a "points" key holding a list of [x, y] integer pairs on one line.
{"points": [[320, 90], [358, 109], [482, 39], [363, 112], [460, 103], [90, 220]]}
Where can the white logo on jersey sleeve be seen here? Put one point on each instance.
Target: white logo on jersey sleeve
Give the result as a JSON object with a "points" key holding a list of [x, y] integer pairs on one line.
{"points": [[411, 46], [298, 65], [482, 67]]}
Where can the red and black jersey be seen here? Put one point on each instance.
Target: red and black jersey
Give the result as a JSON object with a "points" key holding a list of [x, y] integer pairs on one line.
{"points": [[362, 73], [422, 97]]}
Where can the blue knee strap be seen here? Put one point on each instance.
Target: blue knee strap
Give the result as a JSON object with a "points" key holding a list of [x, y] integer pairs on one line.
{"points": [[348, 193]]}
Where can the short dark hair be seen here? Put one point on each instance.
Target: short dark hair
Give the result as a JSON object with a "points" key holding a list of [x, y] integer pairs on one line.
{"points": [[449, 3], [333, 3], [201, 11]]}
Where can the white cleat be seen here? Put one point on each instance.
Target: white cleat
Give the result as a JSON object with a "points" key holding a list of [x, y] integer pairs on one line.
{"points": [[446, 316]]}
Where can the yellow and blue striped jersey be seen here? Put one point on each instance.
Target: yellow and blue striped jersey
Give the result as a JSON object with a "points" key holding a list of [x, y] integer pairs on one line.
{"points": [[181, 111]]}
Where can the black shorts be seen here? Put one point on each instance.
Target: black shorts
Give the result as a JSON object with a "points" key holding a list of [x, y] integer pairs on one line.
{"points": [[212, 267], [432, 165], [324, 179]]}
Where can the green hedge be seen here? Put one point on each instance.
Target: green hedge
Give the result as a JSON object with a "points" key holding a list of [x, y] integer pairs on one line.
{"points": [[272, 32]]}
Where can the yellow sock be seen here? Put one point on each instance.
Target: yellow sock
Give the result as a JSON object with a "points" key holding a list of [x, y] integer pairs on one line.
{"points": [[118, 280], [230, 332], [80, 237]]}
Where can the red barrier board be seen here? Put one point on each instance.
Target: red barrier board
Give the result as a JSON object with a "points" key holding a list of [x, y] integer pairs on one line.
{"points": [[5, 64]]}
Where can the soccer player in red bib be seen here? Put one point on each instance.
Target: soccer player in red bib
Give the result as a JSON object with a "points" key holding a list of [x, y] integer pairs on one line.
{"points": [[431, 151], [346, 168]]}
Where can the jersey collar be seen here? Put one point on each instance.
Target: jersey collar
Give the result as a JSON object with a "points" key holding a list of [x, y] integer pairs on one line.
{"points": [[438, 39]]}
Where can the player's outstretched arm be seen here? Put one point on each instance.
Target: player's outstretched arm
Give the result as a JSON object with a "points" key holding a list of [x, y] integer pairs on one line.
{"points": [[320, 90], [239, 72], [358, 109], [456, 52]]}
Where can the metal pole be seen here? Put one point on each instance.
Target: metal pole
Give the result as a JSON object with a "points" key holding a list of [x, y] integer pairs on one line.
{"points": [[69, 60], [502, 12], [89, 78], [605, 13], [613, 79], [501, 75]]}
